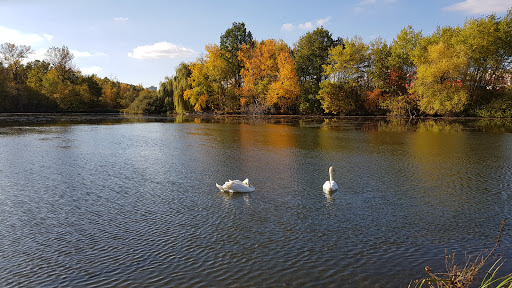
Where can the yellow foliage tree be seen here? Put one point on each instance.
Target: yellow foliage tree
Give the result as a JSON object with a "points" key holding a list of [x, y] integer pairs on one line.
{"points": [[347, 77], [198, 95], [440, 85], [285, 89], [269, 76]]}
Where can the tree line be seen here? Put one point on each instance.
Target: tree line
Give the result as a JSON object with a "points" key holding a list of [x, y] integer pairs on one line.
{"points": [[455, 71], [56, 85]]}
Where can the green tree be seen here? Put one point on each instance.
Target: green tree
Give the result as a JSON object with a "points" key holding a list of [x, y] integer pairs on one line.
{"points": [[68, 96], [173, 89], [39, 102], [36, 71], [7, 90], [311, 54], [91, 91], [380, 53], [488, 42], [148, 102], [347, 81], [402, 51], [110, 93], [402, 72], [231, 42]]}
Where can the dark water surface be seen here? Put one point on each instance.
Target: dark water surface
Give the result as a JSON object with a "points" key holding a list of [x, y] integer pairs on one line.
{"points": [[96, 201]]}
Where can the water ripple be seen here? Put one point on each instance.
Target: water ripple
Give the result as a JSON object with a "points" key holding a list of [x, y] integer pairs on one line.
{"points": [[135, 205]]}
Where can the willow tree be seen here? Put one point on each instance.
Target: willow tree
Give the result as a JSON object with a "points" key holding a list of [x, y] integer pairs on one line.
{"points": [[173, 90]]}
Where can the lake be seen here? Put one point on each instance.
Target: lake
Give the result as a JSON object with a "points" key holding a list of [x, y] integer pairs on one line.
{"points": [[119, 201]]}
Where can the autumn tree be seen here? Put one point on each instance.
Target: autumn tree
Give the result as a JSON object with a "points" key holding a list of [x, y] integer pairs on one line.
{"points": [[200, 86], [381, 75], [488, 42], [401, 61], [347, 72], [311, 54], [110, 93], [440, 84], [285, 89], [13, 56], [61, 60], [36, 71], [401, 72], [270, 81], [91, 90], [223, 83]]}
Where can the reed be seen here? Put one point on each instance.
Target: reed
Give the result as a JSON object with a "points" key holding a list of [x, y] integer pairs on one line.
{"points": [[464, 276]]}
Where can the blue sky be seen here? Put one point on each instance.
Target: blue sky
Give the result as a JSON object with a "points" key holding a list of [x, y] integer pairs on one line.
{"points": [[141, 42]]}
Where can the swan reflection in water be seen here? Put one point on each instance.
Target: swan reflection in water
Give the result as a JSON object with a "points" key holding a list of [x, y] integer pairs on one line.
{"points": [[236, 197]]}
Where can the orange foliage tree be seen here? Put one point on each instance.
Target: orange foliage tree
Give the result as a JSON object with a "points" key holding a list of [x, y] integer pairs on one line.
{"points": [[269, 76], [285, 89]]}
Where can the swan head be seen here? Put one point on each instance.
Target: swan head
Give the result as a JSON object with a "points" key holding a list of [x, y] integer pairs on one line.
{"points": [[246, 182]]}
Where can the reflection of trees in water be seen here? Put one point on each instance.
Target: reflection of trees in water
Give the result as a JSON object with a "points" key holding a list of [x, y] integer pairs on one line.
{"points": [[440, 125], [494, 125], [389, 124]]}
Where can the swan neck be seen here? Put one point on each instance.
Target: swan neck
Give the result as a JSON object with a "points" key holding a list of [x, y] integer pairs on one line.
{"points": [[330, 174]]}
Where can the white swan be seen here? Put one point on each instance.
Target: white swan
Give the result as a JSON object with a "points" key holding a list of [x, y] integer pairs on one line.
{"points": [[236, 186], [330, 186]]}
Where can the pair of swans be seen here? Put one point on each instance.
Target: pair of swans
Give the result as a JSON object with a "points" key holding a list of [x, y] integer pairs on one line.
{"points": [[244, 186]]}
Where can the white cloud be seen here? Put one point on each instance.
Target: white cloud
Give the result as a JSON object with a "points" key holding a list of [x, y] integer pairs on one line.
{"points": [[91, 70], [39, 54], [305, 26], [20, 38], [87, 54], [321, 22], [122, 19], [480, 7], [80, 54], [160, 50], [287, 27], [48, 37]]}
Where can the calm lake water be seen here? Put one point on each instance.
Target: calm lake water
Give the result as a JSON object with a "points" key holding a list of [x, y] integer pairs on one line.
{"points": [[113, 201]]}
